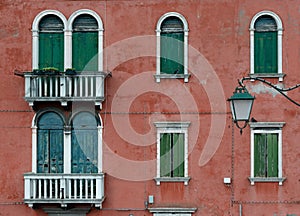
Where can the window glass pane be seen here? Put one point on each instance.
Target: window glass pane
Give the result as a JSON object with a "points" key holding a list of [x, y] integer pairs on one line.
{"points": [[265, 23]]}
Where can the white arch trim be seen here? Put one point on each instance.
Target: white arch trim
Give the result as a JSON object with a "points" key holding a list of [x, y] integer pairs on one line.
{"points": [[35, 34], [68, 44], [185, 74], [277, 19], [269, 13], [170, 14]]}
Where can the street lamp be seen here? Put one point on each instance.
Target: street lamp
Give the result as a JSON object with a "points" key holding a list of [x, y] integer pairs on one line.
{"points": [[241, 101], [241, 105]]}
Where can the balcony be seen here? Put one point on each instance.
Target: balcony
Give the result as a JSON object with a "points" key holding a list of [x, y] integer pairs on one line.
{"points": [[86, 86], [64, 189]]}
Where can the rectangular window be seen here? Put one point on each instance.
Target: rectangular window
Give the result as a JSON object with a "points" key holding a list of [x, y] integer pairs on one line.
{"points": [[266, 155], [265, 52], [172, 155], [266, 152], [172, 152]]}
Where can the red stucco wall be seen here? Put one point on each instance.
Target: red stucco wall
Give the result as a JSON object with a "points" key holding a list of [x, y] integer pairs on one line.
{"points": [[219, 34]]}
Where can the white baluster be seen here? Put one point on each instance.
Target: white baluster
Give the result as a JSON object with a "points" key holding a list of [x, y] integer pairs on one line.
{"points": [[50, 186], [80, 186], [40, 189], [86, 189]]}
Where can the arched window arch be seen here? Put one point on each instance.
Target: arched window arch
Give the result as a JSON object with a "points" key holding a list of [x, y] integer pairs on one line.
{"points": [[50, 143], [266, 45], [48, 40], [85, 48], [85, 143], [172, 47]]}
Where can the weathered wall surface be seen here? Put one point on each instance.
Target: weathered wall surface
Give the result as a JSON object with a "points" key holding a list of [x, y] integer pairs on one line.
{"points": [[219, 55]]}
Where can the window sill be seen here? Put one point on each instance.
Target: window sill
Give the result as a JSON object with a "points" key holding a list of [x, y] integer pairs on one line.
{"points": [[172, 179], [268, 75], [172, 76], [270, 179]]}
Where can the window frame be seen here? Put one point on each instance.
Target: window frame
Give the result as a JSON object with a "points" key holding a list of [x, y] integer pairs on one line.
{"points": [[266, 128], [66, 139], [158, 76], [277, 19], [172, 127]]}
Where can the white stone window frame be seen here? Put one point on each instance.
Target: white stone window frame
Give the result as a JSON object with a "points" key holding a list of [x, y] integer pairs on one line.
{"points": [[277, 19], [172, 127], [158, 76], [67, 36], [266, 127], [67, 141]]}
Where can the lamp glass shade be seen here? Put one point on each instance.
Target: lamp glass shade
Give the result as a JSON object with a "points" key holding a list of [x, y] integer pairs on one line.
{"points": [[241, 104]]}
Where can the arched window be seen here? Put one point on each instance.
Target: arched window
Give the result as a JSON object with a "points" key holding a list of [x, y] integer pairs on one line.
{"points": [[266, 45], [85, 43], [51, 42], [48, 40], [84, 143], [50, 143], [172, 47]]}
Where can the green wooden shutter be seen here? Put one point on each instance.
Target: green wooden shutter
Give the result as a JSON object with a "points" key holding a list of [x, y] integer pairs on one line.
{"points": [[51, 50], [272, 141], [260, 148], [172, 53], [85, 51], [265, 52], [178, 155], [266, 155], [165, 155]]}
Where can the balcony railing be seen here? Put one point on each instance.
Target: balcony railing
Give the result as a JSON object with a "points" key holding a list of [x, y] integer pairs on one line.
{"points": [[86, 86], [64, 189]]}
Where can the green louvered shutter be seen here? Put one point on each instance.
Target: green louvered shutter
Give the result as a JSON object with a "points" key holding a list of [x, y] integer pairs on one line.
{"points": [[265, 52], [272, 141], [178, 155], [85, 50], [165, 155], [50, 144], [51, 43], [266, 155], [84, 148], [260, 149], [85, 43], [171, 61]]}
